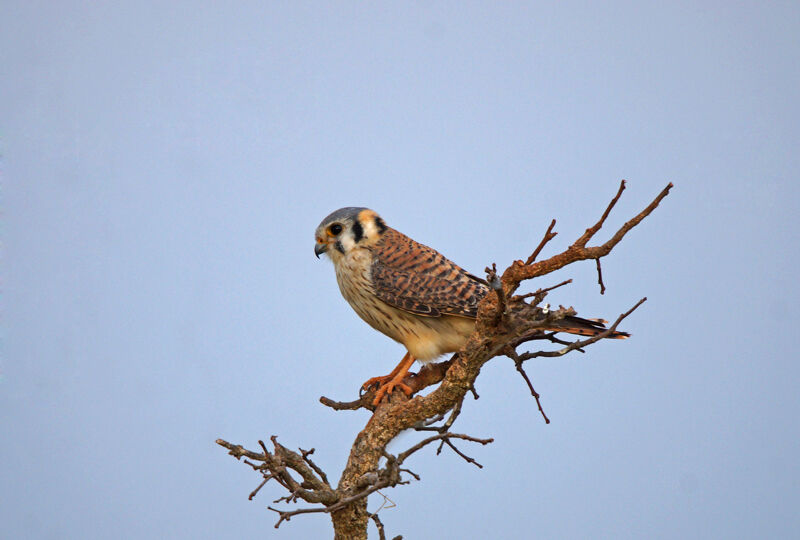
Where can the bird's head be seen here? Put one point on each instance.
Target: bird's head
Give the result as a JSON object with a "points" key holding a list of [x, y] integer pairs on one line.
{"points": [[346, 229]]}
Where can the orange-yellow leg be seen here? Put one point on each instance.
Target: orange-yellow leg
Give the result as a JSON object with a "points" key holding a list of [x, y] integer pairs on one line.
{"points": [[388, 382]]}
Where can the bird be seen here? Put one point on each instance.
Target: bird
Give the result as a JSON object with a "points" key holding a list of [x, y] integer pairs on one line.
{"points": [[409, 291]]}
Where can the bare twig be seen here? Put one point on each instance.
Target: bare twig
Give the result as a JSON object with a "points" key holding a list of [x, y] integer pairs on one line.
{"points": [[582, 343], [581, 242], [457, 451], [425, 424], [343, 405], [238, 451], [441, 436], [553, 339], [381, 534], [578, 251], [541, 293], [600, 277], [299, 464], [409, 471], [447, 425], [320, 472], [511, 353], [548, 235], [286, 515], [255, 491]]}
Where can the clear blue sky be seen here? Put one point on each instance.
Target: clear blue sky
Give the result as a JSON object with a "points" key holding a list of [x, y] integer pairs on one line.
{"points": [[164, 166]]}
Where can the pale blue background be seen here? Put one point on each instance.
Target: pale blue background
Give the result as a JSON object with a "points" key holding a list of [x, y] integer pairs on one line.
{"points": [[164, 167]]}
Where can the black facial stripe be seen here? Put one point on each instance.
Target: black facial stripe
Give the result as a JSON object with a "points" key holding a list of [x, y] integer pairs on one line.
{"points": [[339, 247], [358, 231], [380, 224]]}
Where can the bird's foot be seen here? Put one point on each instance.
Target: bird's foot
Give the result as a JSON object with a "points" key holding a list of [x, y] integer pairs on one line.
{"points": [[385, 385]]}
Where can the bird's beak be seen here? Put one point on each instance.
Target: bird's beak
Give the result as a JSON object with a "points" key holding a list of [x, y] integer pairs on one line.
{"points": [[320, 248]]}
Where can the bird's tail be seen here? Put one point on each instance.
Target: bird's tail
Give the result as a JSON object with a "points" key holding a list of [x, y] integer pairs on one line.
{"points": [[585, 327]]}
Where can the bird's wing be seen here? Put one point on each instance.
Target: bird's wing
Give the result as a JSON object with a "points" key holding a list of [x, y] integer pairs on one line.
{"points": [[418, 279]]}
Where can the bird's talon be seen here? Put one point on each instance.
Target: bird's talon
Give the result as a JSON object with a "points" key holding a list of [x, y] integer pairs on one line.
{"points": [[375, 383], [388, 388]]}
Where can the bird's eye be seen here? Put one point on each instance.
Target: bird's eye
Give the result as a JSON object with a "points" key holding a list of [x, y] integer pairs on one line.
{"points": [[335, 229]]}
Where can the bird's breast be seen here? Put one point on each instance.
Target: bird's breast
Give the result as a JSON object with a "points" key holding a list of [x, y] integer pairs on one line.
{"points": [[425, 337], [353, 276]]}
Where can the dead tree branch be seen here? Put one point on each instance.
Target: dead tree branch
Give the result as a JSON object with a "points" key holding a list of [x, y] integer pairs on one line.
{"points": [[548, 235], [520, 271], [600, 277], [505, 322]]}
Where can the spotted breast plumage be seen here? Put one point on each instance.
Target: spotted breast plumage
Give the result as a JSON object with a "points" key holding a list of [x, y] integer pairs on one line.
{"points": [[408, 291]]}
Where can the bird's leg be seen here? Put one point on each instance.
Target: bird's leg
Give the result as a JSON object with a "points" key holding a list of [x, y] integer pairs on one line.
{"points": [[385, 378], [388, 382]]}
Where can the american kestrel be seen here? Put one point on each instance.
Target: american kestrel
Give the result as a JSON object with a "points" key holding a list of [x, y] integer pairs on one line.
{"points": [[408, 291]]}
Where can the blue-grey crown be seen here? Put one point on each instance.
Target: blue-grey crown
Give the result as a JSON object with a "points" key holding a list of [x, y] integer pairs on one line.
{"points": [[348, 212]]}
